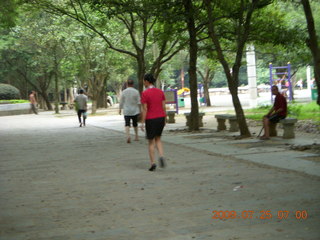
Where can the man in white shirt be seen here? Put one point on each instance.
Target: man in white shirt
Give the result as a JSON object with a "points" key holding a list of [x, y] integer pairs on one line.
{"points": [[130, 103], [81, 106]]}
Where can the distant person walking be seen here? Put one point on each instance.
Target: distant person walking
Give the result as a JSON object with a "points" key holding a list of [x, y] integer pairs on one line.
{"points": [[33, 102], [312, 83], [300, 84], [130, 103], [276, 113], [282, 83], [81, 106], [153, 116]]}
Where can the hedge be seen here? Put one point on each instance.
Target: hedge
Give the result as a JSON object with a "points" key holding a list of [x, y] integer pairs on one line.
{"points": [[8, 92]]}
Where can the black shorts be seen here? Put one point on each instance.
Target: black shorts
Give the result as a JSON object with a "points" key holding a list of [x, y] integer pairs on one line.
{"points": [[82, 112], [154, 127], [275, 118], [134, 120]]}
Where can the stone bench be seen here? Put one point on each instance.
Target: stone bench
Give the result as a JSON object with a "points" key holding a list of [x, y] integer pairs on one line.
{"points": [[71, 106], [221, 118], [201, 114], [288, 128], [63, 105], [170, 116]]}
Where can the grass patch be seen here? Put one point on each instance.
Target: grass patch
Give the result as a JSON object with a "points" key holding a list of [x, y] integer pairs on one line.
{"points": [[301, 111], [12, 101]]}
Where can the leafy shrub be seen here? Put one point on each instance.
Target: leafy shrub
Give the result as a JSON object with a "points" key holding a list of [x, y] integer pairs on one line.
{"points": [[264, 107], [294, 109], [8, 92]]}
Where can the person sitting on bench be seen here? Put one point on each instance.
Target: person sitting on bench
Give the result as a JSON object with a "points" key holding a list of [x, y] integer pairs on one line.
{"points": [[276, 113]]}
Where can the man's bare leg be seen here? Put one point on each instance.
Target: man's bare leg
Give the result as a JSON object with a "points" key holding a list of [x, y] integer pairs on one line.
{"points": [[266, 134], [128, 134], [136, 133]]}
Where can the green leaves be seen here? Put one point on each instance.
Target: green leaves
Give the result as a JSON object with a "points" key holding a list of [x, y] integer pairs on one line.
{"points": [[8, 13]]}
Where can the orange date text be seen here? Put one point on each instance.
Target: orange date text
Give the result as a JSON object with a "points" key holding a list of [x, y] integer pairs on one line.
{"points": [[263, 214]]}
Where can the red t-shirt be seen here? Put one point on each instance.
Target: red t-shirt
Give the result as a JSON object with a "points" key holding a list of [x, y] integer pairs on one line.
{"points": [[280, 102], [153, 97]]}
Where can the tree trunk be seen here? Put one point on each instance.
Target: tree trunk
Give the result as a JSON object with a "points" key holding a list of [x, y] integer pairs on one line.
{"points": [[65, 95], [206, 91], [158, 82], [193, 51], [56, 81], [233, 87], [312, 43], [206, 83], [71, 96], [45, 98], [141, 70], [182, 77], [56, 94], [102, 101], [94, 106], [232, 77], [243, 127]]}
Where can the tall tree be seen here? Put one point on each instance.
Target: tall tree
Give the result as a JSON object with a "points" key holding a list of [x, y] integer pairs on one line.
{"points": [[236, 19], [207, 65], [207, 76], [193, 52], [139, 19], [93, 67], [312, 43], [32, 55]]}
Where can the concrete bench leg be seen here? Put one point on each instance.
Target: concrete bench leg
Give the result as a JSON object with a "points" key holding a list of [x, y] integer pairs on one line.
{"points": [[273, 129], [221, 124], [288, 130], [234, 127], [187, 121], [171, 118], [200, 121]]}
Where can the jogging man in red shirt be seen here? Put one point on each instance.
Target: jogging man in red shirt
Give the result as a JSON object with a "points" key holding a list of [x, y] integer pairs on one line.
{"points": [[276, 113]]}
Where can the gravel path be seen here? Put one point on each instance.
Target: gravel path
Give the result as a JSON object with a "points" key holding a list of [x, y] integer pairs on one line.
{"points": [[59, 181]]}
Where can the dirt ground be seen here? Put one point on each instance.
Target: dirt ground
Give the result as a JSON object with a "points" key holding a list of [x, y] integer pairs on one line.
{"points": [[60, 182]]}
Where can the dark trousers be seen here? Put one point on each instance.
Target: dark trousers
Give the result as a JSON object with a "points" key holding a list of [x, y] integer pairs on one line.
{"points": [[34, 108], [82, 112], [134, 120]]}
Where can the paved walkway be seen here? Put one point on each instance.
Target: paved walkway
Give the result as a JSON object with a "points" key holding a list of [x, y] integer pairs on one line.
{"points": [[59, 181]]}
